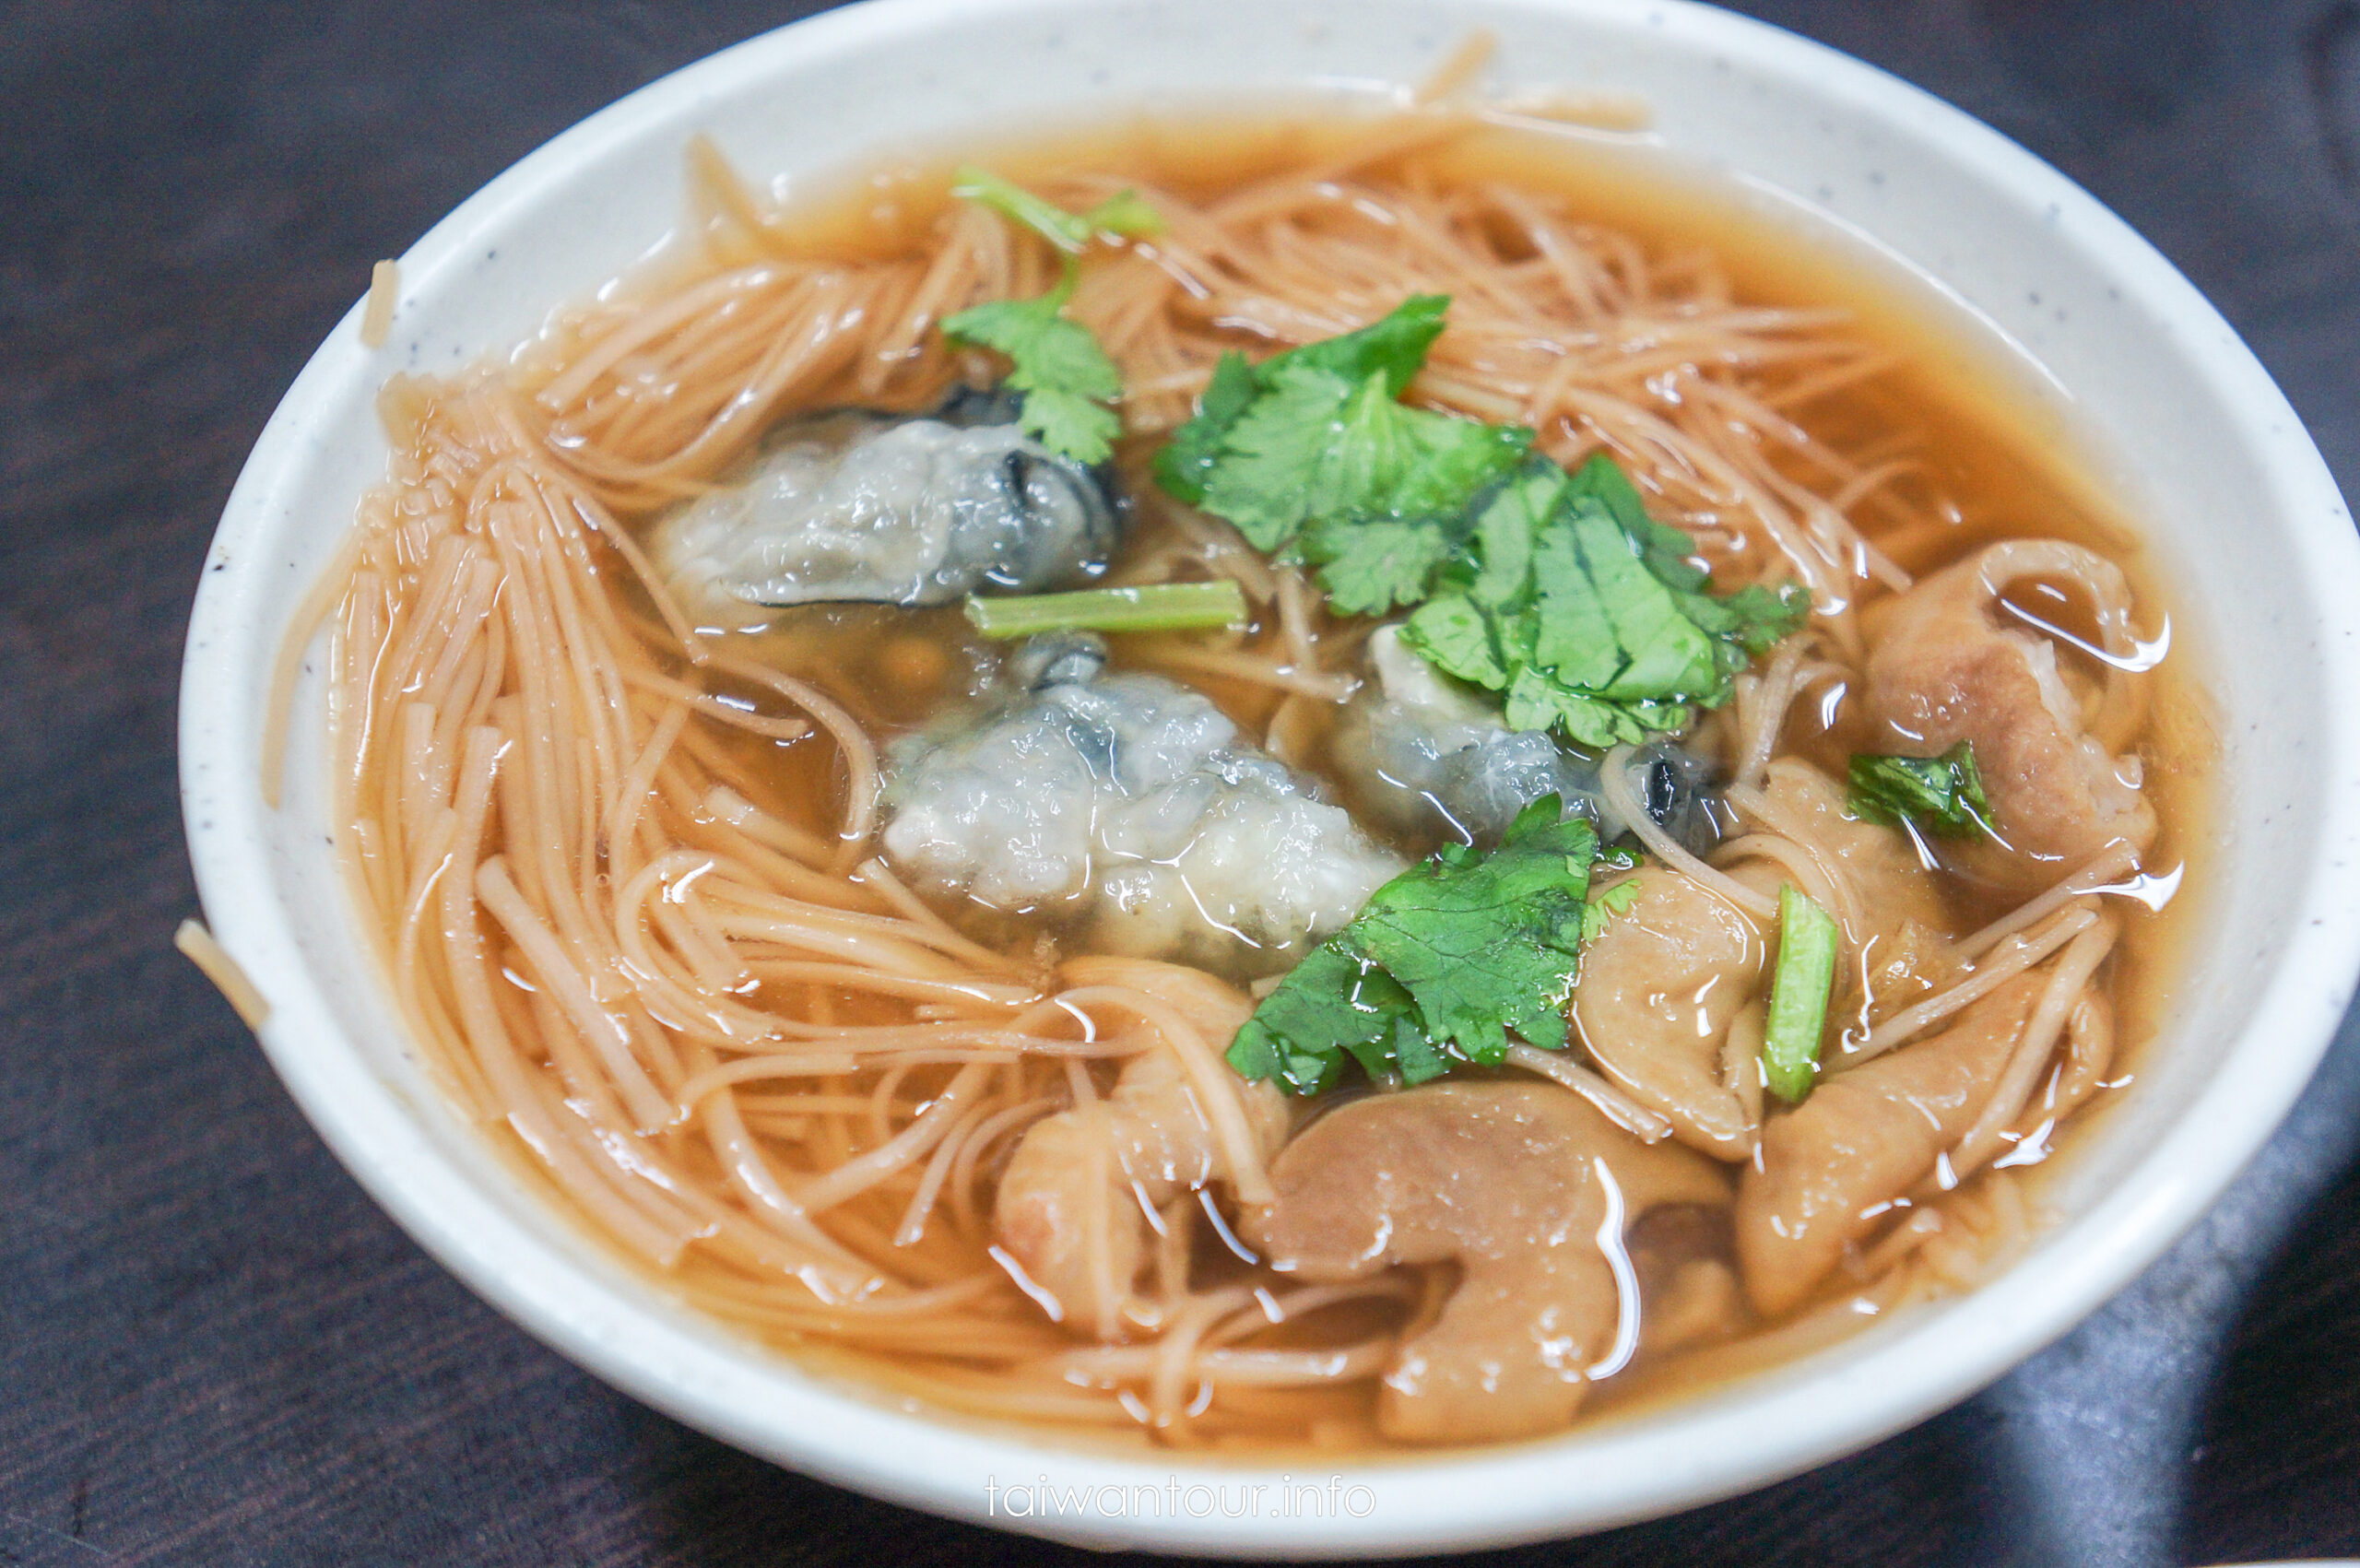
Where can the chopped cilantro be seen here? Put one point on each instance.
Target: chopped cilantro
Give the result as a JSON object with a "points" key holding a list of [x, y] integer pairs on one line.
{"points": [[1314, 448], [1064, 376], [1332, 1001], [1555, 590], [1269, 464], [1943, 794], [1603, 906], [1800, 987], [1587, 617], [1537, 701], [1315, 443], [1184, 464], [1618, 857], [1395, 344], [1123, 214], [1368, 568], [1443, 962]]}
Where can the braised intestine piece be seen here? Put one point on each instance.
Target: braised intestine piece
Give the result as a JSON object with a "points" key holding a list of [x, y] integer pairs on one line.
{"points": [[1944, 668], [1513, 1183], [1085, 1187], [1423, 754], [1830, 1170], [1868, 875], [860, 506], [1677, 961], [1126, 806], [1660, 984]]}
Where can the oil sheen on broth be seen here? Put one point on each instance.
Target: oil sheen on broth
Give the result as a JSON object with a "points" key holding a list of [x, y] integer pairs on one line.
{"points": [[1077, 1028]]}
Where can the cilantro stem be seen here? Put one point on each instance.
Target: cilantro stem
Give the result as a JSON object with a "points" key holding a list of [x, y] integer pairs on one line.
{"points": [[1799, 994], [1125, 213], [1162, 606], [1013, 202]]}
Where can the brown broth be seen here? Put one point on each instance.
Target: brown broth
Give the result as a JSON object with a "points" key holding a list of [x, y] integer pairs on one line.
{"points": [[1998, 458], [1996, 462]]}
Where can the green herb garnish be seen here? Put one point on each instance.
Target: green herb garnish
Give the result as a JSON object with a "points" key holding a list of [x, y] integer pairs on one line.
{"points": [[1060, 367], [1162, 607], [1587, 616], [1443, 962], [1799, 994], [1066, 377], [1395, 346], [1605, 905], [1125, 213], [1557, 592], [1943, 794], [1313, 449]]}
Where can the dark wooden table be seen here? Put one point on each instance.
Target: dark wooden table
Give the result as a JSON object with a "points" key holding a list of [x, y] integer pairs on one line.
{"points": [[215, 1350]]}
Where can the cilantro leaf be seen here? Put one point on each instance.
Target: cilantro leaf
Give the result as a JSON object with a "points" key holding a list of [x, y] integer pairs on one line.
{"points": [[1332, 1001], [1184, 464], [1587, 616], [1486, 944], [1574, 638], [1125, 213], [1415, 1056], [1444, 962], [1334, 996], [1312, 451], [1505, 531], [1064, 374], [1537, 701], [1069, 424], [1049, 349], [1256, 1052], [1395, 346], [1454, 635], [1940, 794], [1266, 477], [1060, 367], [1370, 566], [1601, 479], [1603, 907], [1665, 652], [1556, 590], [1317, 437], [1755, 617], [1433, 464]]}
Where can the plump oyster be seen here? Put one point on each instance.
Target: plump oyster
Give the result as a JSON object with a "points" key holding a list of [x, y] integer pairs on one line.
{"points": [[855, 505], [1130, 808], [1425, 756]]}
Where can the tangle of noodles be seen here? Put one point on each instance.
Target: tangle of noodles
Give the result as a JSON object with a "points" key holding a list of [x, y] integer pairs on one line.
{"points": [[628, 883]]}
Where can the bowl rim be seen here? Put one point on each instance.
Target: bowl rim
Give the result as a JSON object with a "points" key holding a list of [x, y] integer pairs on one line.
{"points": [[1457, 1500]]}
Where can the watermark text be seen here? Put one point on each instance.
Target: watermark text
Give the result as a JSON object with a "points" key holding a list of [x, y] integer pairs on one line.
{"points": [[1287, 1498]]}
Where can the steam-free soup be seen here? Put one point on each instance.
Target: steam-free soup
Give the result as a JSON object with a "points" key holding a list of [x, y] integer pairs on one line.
{"points": [[1337, 782]]}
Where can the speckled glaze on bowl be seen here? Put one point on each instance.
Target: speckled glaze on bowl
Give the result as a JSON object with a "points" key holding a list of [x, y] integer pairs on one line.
{"points": [[2149, 379]]}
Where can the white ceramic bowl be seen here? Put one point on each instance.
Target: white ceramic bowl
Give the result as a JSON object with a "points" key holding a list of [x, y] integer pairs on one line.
{"points": [[2148, 380]]}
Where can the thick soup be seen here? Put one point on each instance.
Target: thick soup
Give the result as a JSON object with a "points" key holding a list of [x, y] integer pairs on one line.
{"points": [[1344, 782]]}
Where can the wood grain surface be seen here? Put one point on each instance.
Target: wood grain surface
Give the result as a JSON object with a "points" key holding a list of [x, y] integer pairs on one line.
{"points": [[215, 1350]]}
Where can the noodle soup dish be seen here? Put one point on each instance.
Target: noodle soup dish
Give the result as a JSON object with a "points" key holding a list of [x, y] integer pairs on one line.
{"points": [[1315, 784]]}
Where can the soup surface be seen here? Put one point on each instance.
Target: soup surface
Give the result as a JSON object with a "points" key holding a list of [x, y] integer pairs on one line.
{"points": [[1302, 782]]}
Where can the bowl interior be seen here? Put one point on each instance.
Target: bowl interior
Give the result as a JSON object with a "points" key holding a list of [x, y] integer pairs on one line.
{"points": [[2170, 410]]}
